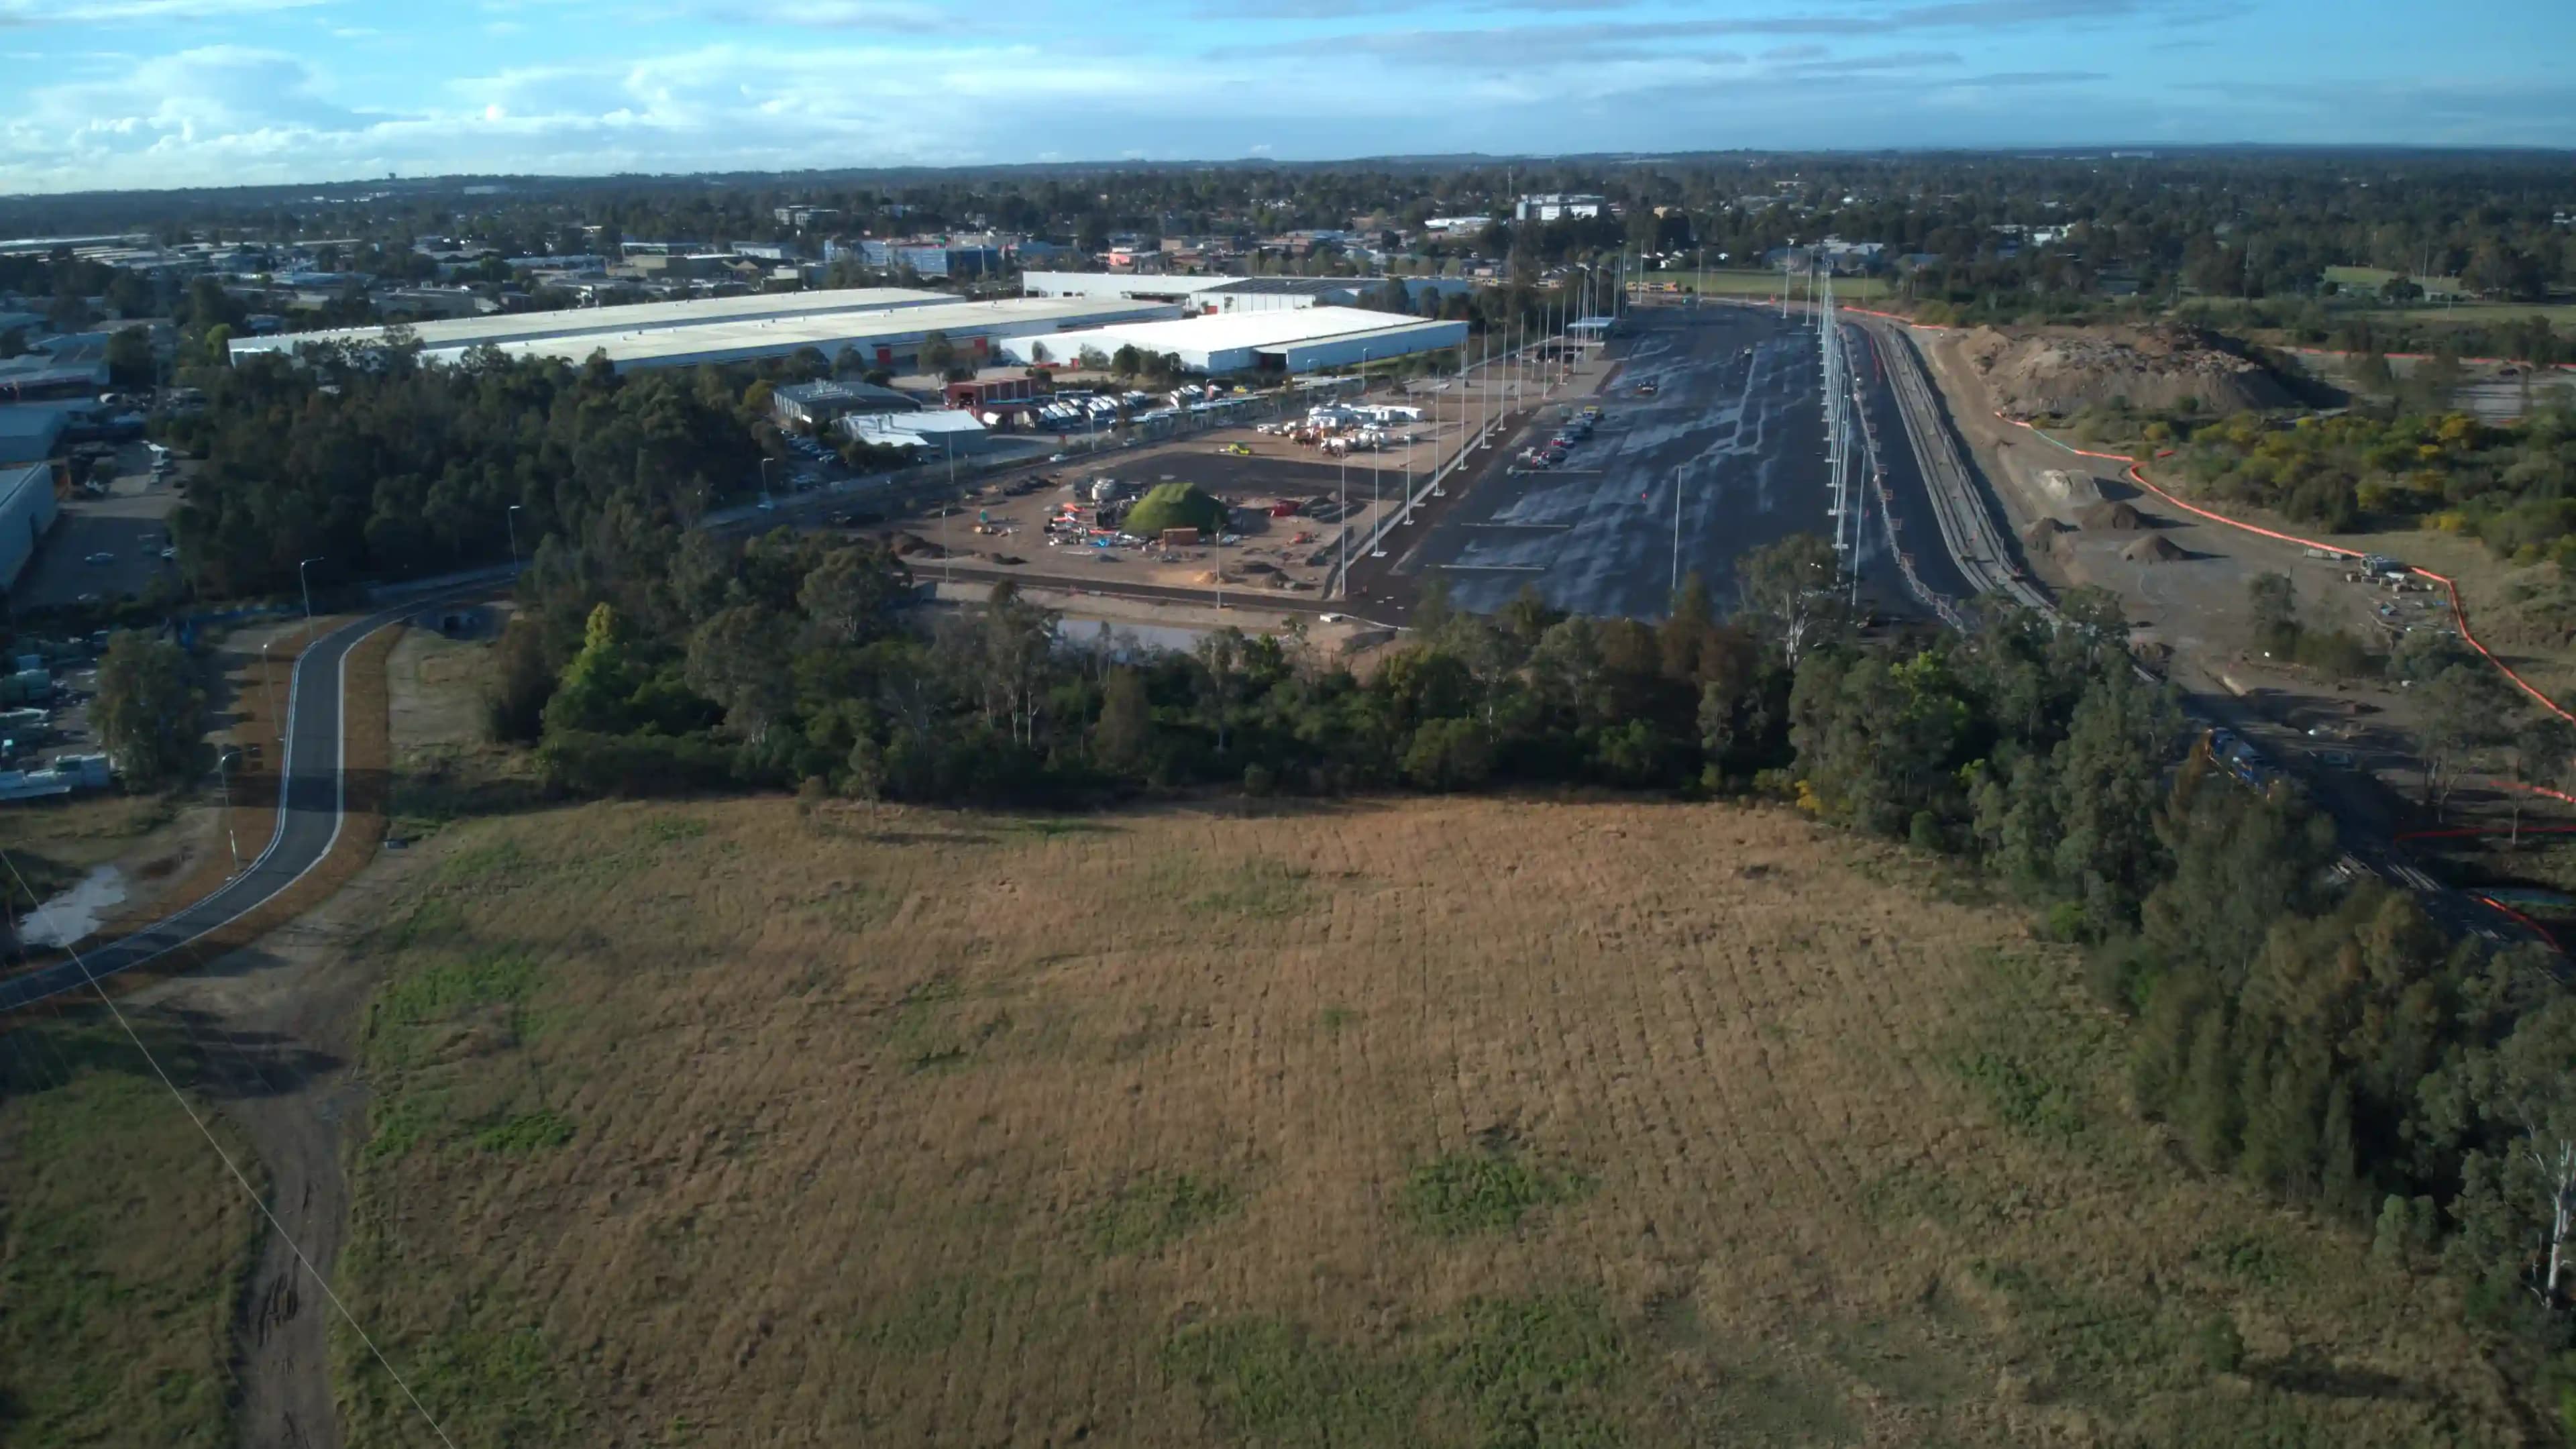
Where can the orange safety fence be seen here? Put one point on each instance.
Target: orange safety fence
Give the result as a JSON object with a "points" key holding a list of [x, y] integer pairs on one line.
{"points": [[2459, 614], [2526, 922]]}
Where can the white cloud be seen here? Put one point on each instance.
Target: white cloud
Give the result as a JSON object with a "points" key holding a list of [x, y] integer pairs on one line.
{"points": [[105, 12]]}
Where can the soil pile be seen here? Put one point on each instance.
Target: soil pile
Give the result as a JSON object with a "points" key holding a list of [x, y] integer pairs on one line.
{"points": [[2076, 488], [2155, 548], [2065, 369], [2117, 517], [2045, 536], [913, 545]]}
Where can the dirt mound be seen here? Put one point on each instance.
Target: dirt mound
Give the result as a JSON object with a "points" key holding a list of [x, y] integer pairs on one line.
{"points": [[2117, 517], [912, 545], [2075, 488], [2042, 534], [2153, 549], [2064, 369]]}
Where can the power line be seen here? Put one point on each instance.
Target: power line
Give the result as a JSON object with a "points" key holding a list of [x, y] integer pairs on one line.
{"points": [[233, 1167]]}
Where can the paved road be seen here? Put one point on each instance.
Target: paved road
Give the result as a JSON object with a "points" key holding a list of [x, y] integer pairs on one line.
{"points": [[309, 818]]}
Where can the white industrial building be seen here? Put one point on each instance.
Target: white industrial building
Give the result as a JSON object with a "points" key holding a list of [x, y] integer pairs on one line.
{"points": [[890, 339], [26, 511], [939, 430], [1221, 295], [1558, 206], [1302, 340], [457, 334]]}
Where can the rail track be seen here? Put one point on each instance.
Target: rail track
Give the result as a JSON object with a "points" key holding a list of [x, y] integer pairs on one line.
{"points": [[1967, 525]]}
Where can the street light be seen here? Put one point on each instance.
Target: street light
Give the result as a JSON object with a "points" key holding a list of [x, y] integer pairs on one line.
{"points": [[223, 774], [269, 682], [512, 519], [307, 583]]}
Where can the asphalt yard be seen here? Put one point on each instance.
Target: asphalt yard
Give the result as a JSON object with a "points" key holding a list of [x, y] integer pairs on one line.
{"points": [[1732, 426]]}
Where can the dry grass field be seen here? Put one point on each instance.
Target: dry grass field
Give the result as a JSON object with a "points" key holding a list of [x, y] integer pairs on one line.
{"points": [[1478, 1122]]}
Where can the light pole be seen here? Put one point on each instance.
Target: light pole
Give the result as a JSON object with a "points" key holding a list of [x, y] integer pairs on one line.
{"points": [[306, 581], [948, 556], [269, 682], [511, 517], [1677, 533], [1374, 502], [1342, 508], [224, 774]]}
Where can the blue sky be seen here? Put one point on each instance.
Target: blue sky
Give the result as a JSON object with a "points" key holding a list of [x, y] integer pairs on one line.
{"points": [[149, 93]]}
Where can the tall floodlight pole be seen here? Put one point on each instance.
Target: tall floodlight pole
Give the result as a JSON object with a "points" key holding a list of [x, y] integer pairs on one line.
{"points": [[1375, 502], [511, 517], [1342, 507], [1677, 535]]}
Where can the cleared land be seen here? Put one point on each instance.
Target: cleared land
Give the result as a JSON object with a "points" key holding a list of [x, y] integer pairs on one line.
{"points": [[1447, 1123]]}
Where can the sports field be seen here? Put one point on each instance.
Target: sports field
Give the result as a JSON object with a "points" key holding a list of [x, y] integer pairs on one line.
{"points": [[1765, 284], [1472, 1123]]}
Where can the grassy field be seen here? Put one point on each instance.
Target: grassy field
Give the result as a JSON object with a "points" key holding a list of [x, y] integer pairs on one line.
{"points": [[2371, 279], [1430, 1123], [123, 1243], [1766, 284]]}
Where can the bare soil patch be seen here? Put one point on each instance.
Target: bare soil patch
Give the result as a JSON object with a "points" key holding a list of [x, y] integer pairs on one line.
{"points": [[1415, 1123], [2060, 370]]}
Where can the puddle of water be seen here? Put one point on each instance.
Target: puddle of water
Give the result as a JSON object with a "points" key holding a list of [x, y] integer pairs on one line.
{"points": [[68, 918], [1129, 641]]}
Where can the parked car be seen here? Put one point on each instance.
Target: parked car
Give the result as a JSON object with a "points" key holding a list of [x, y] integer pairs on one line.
{"points": [[101, 558]]}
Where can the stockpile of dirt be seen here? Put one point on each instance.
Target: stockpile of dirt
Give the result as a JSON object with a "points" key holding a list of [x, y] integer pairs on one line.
{"points": [[2065, 369], [2048, 535], [2155, 548], [913, 545], [2117, 517]]}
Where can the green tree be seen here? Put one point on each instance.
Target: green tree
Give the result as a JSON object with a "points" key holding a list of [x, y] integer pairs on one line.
{"points": [[2275, 603], [598, 685], [148, 712], [129, 357], [1123, 738], [1788, 593], [739, 659]]}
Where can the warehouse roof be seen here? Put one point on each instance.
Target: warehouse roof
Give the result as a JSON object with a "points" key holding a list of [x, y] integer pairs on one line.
{"points": [[889, 327], [29, 431], [1226, 331], [464, 332]]}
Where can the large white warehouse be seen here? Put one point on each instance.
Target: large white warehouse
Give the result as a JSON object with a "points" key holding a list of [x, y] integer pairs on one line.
{"points": [[457, 334], [884, 336], [1303, 340], [890, 339], [26, 511]]}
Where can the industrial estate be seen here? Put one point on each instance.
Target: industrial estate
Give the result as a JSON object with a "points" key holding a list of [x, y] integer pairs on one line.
{"points": [[1768, 798]]}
